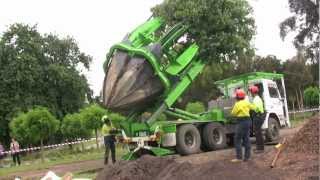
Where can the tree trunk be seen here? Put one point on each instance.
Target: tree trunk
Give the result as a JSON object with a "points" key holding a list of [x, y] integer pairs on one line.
{"points": [[294, 114], [41, 150], [298, 99], [82, 145], [301, 98], [96, 132]]}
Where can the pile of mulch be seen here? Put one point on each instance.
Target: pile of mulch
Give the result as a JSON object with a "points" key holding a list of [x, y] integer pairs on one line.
{"points": [[300, 157], [299, 160], [166, 168], [145, 168], [307, 138]]}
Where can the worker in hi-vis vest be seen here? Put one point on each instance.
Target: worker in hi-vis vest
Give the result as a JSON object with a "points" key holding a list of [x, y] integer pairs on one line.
{"points": [[258, 117], [109, 139], [241, 111]]}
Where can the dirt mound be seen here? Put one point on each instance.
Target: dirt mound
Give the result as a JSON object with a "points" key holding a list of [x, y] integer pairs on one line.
{"points": [[300, 157], [166, 168], [307, 138], [145, 168], [299, 160]]}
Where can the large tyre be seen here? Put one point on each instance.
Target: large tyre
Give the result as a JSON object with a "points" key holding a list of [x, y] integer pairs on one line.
{"points": [[273, 131], [214, 136], [188, 139]]}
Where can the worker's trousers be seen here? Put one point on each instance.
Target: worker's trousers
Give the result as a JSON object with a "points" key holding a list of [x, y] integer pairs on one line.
{"points": [[258, 120], [242, 137], [109, 142], [16, 158]]}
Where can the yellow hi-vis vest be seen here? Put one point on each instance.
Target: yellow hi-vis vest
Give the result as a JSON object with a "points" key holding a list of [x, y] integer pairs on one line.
{"points": [[242, 108], [257, 102]]}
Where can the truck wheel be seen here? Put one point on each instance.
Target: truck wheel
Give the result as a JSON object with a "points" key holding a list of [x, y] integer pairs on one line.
{"points": [[188, 139], [272, 133], [214, 136]]}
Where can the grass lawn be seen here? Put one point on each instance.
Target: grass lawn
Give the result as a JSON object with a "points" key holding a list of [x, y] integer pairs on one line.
{"points": [[55, 157], [298, 118]]}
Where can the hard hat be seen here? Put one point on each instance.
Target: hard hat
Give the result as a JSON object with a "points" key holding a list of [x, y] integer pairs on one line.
{"points": [[254, 89], [240, 94]]}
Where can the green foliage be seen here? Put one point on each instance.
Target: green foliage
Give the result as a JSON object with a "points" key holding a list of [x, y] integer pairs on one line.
{"points": [[162, 117], [92, 116], [195, 107], [39, 70], [73, 127], [311, 96], [222, 28], [115, 118], [304, 21], [36, 125], [19, 130]]}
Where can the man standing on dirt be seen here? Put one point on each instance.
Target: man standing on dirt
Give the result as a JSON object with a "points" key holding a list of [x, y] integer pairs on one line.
{"points": [[109, 140], [241, 110], [258, 118], [15, 150]]}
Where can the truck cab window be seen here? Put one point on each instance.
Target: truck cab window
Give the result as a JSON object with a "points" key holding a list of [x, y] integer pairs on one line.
{"points": [[273, 92]]}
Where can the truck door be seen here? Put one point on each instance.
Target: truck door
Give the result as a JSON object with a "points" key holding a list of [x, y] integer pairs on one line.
{"points": [[273, 102]]}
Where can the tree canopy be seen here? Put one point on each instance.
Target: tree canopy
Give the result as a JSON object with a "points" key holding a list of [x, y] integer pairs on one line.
{"points": [[42, 70], [73, 127], [36, 126], [311, 96], [305, 22], [222, 28], [92, 117]]}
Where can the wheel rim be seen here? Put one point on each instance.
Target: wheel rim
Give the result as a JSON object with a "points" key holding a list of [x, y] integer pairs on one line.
{"points": [[217, 137], [189, 139]]}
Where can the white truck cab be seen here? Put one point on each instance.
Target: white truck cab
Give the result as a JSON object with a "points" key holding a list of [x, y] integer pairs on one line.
{"points": [[272, 93]]}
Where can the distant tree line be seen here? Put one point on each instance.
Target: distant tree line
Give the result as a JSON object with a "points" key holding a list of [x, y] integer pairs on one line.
{"points": [[298, 72], [40, 70]]}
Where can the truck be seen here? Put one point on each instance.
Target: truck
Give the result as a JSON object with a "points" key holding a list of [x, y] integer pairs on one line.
{"points": [[151, 68]]}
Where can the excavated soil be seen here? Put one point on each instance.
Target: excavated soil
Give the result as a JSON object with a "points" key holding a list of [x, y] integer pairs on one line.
{"points": [[307, 138], [155, 168], [300, 156], [298, 160]]}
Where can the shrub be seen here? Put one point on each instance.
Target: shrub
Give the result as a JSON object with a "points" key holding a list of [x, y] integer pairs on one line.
{"points": [[195, 107], [311, 96]]}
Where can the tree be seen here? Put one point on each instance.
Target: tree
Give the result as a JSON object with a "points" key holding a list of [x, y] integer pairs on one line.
{"points": [[311, 96], [73, 127], [19, 130], [305, 24], [304, 21], [37, 125], [269, 63], [195, 107], [221, 28], [39, 70], [297, 77], [92, 116]]}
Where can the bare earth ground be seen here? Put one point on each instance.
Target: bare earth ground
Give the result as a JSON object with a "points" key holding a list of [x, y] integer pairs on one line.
{"points": [[199, 166], [299, 160]]}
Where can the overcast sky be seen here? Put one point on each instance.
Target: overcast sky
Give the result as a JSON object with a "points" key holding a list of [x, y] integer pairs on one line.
{"points": [[98, 24]]}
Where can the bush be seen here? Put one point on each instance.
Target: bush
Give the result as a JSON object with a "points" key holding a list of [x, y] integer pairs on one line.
{"points": [[116, 118], [311, 96], [195, 107], [162, 117]]}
